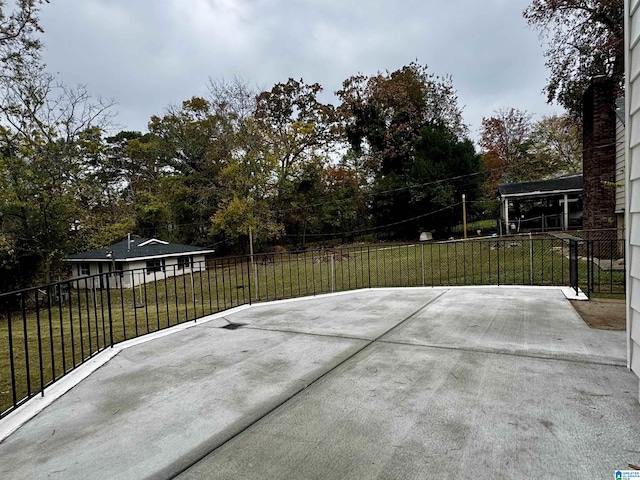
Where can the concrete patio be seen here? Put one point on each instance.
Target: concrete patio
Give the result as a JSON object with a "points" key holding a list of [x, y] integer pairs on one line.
{"points": [[493, 382]]}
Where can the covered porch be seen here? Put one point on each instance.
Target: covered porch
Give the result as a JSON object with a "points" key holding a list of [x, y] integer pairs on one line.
{"points": [[541, 206]]}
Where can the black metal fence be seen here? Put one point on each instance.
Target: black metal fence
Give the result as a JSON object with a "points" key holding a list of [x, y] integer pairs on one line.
{"points": [[48, 331]]}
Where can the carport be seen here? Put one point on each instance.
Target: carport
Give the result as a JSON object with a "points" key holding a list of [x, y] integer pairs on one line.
{"points": [[559, 203]]}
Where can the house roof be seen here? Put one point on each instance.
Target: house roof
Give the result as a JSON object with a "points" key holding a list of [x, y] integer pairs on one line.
{"points": [[137, 249], [555, 186]]}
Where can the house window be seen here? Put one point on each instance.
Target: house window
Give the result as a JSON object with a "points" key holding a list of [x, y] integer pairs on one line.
{"points": [[184, 262], [83, 269], [155, 265]]}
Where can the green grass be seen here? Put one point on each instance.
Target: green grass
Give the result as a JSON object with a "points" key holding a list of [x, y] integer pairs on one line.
{"points": [[472, 227], [59, 338]]}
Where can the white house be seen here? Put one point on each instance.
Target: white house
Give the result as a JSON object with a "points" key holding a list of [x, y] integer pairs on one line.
{"points": [[632, 177], [135, 261]]}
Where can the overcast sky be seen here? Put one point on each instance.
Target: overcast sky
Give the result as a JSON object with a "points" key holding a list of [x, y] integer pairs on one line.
{"points": [[148, 54]]}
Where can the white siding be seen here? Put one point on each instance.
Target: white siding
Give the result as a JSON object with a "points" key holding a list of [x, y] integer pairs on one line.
{"points": [[632, 183], [139, 273], [136, 273]]}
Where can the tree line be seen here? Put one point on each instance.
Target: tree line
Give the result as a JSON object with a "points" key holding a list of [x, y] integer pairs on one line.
{"points": [[390, 160]]}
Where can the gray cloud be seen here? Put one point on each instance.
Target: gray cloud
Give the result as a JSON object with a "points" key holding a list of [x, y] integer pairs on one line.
{"points": [[147, 54]]}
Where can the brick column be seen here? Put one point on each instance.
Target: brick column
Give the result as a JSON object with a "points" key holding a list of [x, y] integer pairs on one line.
{"points": [[599, 156]]}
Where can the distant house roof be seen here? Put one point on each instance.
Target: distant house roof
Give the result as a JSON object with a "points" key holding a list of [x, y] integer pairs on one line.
{"points": [[544, 188], [137, 249]]}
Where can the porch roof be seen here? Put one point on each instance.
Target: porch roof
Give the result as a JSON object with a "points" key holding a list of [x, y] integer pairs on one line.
{"points": [[541, 189]]}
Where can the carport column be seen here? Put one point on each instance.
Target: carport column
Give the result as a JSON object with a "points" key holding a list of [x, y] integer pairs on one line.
{"points": [[506, 214], [565, 225]]}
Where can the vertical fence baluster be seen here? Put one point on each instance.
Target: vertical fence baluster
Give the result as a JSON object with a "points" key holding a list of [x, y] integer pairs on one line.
{"points": [[175, 293], [146, 299], [384, 266], [369, 263], [193, 289], [88, 306], [473, 264], [166, 299], [298, 272], [208, 270], [377, 275], [489, 242], [200, 265], [290, 274], [184, 291], [135, 301], [455, 257], [275, 279], [155, 290], [110, 314], [422, 263], [40, 363], [224, 288], [71, 329], [58, 289], [95, 315], [104, 327], [513, 261], [12, 366], [313, 274], [282, 274], [215, 276], [249, 280], [360, 261], [448, 249], [611, 266], [25, 331], [51, 346]]}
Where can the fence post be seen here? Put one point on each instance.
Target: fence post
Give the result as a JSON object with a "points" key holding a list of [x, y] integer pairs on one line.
{"points": [[369, 264], [109, 310], [590, 267], [573, 265], [333, 272], [531, 258], [422, 245], [249, 272]]}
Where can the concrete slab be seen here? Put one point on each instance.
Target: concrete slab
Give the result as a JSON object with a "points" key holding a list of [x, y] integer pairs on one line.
{"points": [[530, 322], [160, 406], [405, 383], [363, 314], [411, 412]]}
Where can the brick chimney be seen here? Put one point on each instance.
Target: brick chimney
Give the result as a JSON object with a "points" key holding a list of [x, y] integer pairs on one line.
{"points": [[599, 155]]}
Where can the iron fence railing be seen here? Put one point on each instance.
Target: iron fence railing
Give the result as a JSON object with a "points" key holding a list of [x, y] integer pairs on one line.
{"points": [[48, 331]]}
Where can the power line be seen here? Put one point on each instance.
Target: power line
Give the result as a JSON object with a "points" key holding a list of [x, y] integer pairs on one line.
{"points": [[365, 230]]}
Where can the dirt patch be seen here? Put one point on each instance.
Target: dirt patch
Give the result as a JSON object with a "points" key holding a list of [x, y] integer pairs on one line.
{"points": [[602, 313]]}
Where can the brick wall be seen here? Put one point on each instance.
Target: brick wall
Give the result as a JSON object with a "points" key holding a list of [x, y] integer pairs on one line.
{"points": [[599, 156]]}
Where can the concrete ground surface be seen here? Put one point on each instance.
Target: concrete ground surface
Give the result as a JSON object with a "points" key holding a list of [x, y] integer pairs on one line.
{"points": [[389, 384]]}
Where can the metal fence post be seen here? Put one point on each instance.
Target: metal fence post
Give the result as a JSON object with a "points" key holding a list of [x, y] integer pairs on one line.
{"points": [[249, 265], [573, 265], [530, 258], [109, 312], [422, 245], [333, 272], [369, 264]]}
